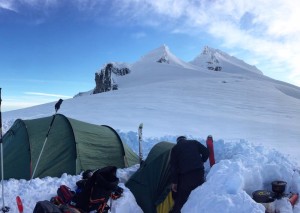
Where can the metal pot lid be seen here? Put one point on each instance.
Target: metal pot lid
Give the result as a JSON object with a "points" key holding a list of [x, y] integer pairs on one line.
{"points": [[263, 196]]}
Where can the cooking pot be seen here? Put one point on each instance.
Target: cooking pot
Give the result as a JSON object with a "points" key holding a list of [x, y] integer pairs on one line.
{"points": [[278, 186], [263, 196], [266, 198]]}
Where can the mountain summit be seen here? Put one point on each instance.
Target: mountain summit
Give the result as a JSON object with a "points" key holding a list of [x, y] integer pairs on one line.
{"points": [[163, 55], [217, 60]]}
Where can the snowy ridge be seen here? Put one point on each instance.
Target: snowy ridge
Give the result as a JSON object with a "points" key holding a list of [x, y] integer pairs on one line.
{"points": [[164, 55], [212, 58], [163, 64], [90, 92]]}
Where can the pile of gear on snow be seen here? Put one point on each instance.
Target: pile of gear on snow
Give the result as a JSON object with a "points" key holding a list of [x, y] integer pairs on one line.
{"points": [[269, 198], [92, 194]]}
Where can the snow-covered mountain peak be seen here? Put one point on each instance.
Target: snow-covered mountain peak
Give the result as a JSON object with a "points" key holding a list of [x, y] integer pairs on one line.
{"points": [[208, 50], [217, 60], [163, 55]]}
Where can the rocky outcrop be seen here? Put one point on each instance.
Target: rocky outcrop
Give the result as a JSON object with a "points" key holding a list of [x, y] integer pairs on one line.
{"points": [[212, 63], [105, 77], [163, 59]]}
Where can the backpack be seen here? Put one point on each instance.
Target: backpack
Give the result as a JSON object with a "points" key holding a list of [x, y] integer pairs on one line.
{"points": [[46, 207], [97, 190], [68, 209], [64, 195]]}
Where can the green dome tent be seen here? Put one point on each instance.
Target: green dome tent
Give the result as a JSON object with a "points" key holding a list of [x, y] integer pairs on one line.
{"points": [[150, 184], [72, 146]]}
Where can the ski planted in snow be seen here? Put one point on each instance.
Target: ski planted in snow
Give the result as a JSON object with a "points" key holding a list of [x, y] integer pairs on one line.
{"points": [[19, 204], [210, 146], [140, 131]]}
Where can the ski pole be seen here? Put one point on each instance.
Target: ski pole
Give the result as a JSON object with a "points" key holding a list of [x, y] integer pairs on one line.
{"points": [[4, 208], [140, 130], [57, 106]]}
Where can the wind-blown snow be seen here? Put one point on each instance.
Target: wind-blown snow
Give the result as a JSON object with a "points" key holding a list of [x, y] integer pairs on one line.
{"points": [[253, 119]]}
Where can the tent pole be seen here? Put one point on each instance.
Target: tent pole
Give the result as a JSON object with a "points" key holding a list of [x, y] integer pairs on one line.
{"points": [[4, 208], [57, 106]]}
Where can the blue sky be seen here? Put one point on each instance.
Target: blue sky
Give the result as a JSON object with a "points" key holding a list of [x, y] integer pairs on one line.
{"points": [[51, 49]]}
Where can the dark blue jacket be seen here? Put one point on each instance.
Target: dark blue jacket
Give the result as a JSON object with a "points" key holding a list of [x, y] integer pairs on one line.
{"points": [[186, 156]]}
